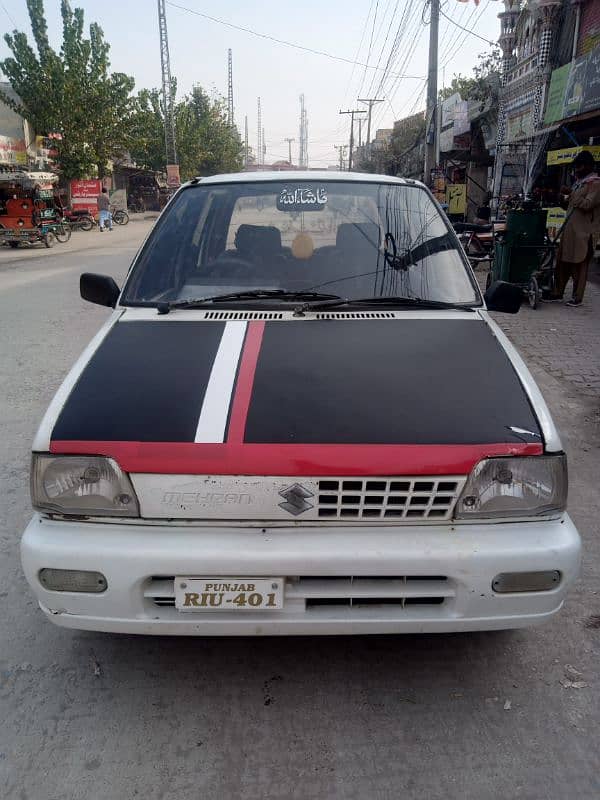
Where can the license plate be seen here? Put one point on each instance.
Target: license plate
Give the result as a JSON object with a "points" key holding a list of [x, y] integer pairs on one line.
{"points": [[228, 594]]}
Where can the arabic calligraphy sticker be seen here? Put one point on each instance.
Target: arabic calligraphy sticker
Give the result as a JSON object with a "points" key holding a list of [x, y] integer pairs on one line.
{"points": [[302, 198]]}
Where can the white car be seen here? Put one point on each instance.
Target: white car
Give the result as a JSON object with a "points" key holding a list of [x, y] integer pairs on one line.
{"points": [[299, 419]]}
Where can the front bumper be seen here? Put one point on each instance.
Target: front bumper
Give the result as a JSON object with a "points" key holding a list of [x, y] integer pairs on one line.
{"points": [[447, 571]]}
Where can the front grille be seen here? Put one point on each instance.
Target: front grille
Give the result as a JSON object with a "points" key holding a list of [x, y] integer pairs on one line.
{"points": [[228, 315], [356, 315], [334, 594], [393, 498]]}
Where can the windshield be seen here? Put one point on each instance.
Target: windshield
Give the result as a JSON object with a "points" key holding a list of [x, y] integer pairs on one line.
{"points": [[344, 238]]}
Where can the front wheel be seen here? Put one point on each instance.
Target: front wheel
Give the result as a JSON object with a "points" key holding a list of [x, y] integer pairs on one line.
{"points": [[49, 239], [121, 217], [533, 292], [63, 232], [86, 223]]}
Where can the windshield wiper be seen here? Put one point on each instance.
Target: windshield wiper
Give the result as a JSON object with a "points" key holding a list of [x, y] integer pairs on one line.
{"points": [[408, 302], [247, 294]]}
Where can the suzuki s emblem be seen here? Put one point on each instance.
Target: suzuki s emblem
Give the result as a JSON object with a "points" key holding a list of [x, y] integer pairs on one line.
{"points": [[295, 499]]}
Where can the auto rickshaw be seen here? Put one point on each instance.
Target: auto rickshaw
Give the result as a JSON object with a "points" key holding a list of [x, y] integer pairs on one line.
{"points": [[28, 213]]}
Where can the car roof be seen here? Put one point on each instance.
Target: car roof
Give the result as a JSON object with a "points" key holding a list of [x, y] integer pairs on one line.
{"points": [[302, 175]]}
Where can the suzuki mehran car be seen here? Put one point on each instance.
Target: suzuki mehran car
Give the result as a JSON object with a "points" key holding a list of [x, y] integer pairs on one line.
{"points": [[299, 419]]}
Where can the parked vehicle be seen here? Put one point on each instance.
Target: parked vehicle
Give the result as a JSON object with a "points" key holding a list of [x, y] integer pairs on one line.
{"points": [[119, 216], [28, 213], [299, 419], [79, 219]]}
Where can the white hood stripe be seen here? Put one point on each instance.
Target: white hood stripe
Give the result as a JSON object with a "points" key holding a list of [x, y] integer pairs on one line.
{"points": [[217, 400]]}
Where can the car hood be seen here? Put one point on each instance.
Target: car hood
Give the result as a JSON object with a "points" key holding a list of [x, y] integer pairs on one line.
{"points": [[403, 395]]}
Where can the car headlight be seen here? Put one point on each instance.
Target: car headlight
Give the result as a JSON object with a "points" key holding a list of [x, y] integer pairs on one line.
{"points": [[91, 486], [515, 487]]}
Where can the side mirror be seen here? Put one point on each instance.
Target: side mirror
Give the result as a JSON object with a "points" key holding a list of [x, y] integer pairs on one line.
{"points": [[100, 289], [503, 296]]}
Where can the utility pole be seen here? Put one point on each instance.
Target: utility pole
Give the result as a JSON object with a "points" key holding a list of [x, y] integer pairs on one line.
{"points": [[432, 98], [303, 144], [370, 101], [360, 122], [289, 141], [229, 89], [259, 148], [167, 87], [342, 150], [246, 152], [264, 147], [355, 111]]}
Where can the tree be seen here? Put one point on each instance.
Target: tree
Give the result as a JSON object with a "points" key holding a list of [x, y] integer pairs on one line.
{"points": [[70, 92], [206, 143], [485, 83], [147, 131]]}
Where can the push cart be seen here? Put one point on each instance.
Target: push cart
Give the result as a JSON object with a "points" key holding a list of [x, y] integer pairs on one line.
{"points": [[525, 255]]}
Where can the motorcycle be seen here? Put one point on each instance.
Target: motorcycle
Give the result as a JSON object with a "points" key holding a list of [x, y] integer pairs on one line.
{"points": [[79, 219]]}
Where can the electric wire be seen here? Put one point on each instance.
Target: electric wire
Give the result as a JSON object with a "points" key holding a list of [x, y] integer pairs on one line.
{"points": [[467, 30], [370, 46], [275, 39]]}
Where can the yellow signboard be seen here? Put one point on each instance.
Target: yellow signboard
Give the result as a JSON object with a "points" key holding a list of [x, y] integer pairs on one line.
{"points": [[567, 154], [555, 217], [456, 197]]}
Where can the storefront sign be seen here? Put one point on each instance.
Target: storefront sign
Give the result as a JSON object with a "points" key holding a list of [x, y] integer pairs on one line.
{"points": [[456, 197], [173, 179], [556, 94], [567, 154], [12, 151], [555, 217], [84, 194], [574, 88], [520, 125]]}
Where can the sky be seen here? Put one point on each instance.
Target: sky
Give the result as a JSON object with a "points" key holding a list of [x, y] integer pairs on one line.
{"points": [[352, 31]]}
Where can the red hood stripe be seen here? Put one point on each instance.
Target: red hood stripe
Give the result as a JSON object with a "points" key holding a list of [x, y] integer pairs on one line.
{"points": [[188, 458], [245, 382]]}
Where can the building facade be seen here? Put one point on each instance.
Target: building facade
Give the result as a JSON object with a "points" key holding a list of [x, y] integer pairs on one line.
{"points": [[550, 92]]}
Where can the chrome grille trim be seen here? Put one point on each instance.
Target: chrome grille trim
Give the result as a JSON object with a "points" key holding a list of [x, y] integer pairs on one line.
{"points": [[403, 498]]}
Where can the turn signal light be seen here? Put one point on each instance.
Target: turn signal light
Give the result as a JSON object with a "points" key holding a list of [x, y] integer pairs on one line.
{"points": [[72, 580]]}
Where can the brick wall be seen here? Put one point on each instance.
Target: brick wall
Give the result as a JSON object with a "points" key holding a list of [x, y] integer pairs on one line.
{"points": [[589, 27]]}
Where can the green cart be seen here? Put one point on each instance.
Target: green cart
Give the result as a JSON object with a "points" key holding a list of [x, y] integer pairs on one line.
{"points": [[524, 255]]}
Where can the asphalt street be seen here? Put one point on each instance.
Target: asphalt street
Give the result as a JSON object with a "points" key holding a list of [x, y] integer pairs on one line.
{"points": [[465, 717]]}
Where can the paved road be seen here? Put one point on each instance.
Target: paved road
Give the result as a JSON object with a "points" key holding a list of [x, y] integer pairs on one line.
{"points": [[470, 716]]}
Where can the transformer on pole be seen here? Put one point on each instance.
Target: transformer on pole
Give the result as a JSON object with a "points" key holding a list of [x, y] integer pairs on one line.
{"points": [[167, 87], [230, 120]]}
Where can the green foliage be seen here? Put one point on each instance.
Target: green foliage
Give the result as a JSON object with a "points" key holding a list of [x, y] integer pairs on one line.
{"points": [[70, 92], [147, 131], [206, 144], [485, 83]]}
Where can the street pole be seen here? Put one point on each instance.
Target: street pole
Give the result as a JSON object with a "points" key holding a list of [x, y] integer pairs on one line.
{"points": [[430, 116], [289, 141], [355, 111], [342, 150], [370, 101]]}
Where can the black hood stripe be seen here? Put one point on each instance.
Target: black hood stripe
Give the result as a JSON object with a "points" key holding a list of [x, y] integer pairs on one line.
{"points": [[409, 381], [145, 383]]}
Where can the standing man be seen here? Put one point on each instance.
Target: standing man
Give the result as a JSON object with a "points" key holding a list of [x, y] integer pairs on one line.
{"points": [[576, 246], [105, 217]]}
